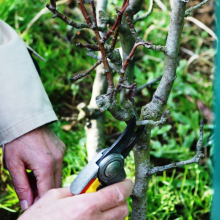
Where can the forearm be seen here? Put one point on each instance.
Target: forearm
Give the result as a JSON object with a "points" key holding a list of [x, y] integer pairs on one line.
{"points": [[24, 102]]}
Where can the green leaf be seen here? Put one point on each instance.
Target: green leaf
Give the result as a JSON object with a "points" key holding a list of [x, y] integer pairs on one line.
{"points": [[178, 116]]}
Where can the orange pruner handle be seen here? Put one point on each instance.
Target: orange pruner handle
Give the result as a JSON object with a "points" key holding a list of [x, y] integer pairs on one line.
{"points": [[92, 186]]}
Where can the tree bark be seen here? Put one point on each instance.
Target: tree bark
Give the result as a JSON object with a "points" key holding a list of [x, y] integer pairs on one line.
{"points": [[127, 41], [95, 137], [154, 110]]}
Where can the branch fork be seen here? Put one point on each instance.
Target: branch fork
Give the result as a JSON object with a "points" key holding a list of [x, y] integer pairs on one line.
{"points": [[195, 159], [154, 123], [148, 45], [56, 13], [188, 11]]}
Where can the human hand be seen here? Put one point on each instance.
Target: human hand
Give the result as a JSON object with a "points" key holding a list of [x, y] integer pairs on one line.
{"points": [[106, 204], [42, 152]]}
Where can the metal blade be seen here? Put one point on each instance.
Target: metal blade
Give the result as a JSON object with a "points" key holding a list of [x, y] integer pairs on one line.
{"points": [[121, 143], [133, 141]]}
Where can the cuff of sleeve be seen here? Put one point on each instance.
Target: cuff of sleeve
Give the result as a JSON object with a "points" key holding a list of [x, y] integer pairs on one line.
{"points": [[27, 125]]}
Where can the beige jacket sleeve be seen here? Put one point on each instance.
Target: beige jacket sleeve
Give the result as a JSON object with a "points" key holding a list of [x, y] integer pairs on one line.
{"points": [[24, 104]]}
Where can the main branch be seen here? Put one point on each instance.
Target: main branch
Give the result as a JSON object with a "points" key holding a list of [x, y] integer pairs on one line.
{"points": [[155, 108]]}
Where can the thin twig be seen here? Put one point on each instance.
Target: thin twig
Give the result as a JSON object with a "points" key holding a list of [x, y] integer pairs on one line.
{"points": [[131, 92], [101, 46], [79, 76], [115, 36], [65, 19], [136, 45], [156, 48], [128, 86], [188, 11], [89, 46], [91, 54], [85, 13], [123, 69], [195, 159], [53, 3], [94, 14], [116, 32], [148, 45], [141, 18], [149, 83], [117, 21], [199, 143]]}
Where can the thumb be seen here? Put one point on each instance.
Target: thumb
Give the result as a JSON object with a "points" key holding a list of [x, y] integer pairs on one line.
{"points": [[114, 195], [60, 193], [21, 185]]}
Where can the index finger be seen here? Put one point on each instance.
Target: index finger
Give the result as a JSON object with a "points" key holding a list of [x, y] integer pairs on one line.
{"points": [[113, 195], [45, 178]]}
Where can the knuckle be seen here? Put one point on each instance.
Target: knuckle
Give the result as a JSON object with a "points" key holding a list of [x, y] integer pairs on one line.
{"points": [[21, 189], [115, 195], [92, 208], [59, 156], [11, 165], [121, 213], [48, 163], [52, 193], [59, 151]]}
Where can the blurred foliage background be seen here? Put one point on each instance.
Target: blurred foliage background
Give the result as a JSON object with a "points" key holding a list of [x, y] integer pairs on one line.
{"points": [[183, 193]]}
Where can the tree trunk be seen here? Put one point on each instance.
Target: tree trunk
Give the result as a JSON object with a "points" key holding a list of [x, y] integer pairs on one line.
{"points": [[154, 109], [95, 140]]}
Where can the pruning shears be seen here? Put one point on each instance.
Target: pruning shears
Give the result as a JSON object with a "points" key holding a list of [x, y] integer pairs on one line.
{"points": [[107, 167]]}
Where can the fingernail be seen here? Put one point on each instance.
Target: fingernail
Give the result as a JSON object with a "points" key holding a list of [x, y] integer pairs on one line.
{"points": [[120, 195], [24, 204]]}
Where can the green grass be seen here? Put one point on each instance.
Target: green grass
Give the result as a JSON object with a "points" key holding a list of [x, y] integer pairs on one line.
{"points": [[183, 193]]}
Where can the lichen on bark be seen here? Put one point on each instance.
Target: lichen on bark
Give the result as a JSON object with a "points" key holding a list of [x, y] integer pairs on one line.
{"points": [[154, 110]]}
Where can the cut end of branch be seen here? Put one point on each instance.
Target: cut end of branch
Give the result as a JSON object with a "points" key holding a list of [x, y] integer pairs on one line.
{"points": [[54, 16], [74, 78]]}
